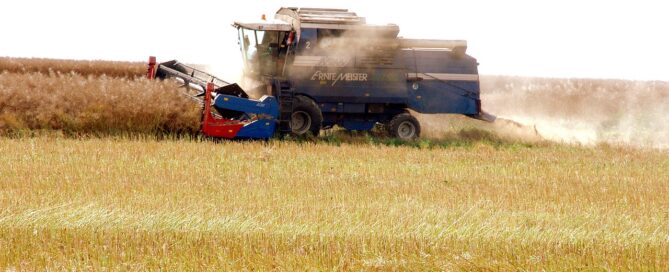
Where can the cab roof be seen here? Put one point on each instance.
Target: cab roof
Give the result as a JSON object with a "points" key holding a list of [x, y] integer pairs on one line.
{"points": [[271, 26], [321, 16], [295, 19]]}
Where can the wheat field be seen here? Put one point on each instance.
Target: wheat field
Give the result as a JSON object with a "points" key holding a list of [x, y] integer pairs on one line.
{"points": [[102, 172], [138, 204]]}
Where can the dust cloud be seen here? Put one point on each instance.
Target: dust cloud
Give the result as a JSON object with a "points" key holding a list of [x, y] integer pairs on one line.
{"points": [[585, 111], [232, 72], [455, 126]]}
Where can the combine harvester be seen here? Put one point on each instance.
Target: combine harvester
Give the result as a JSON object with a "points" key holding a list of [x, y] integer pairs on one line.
{"points": [[326, 67]]}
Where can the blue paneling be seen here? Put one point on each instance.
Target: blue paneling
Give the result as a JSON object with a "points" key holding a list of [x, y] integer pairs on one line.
{"points": [[387, 84]]}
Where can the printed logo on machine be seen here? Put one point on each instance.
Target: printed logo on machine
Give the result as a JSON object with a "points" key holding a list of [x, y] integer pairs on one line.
{"points": [[336, 77]]}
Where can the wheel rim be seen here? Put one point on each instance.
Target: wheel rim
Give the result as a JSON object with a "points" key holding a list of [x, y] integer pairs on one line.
{"points": [[300, 122], [406, 130]]}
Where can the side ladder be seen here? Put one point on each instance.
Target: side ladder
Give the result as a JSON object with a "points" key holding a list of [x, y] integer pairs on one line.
{"points": [[286, 97]]}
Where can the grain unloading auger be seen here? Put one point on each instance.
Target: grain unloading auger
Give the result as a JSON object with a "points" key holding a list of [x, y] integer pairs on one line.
{"points": [[327, 67]]}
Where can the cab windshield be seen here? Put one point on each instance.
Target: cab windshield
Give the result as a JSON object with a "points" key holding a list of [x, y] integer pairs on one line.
{"points": [[262, 51]]}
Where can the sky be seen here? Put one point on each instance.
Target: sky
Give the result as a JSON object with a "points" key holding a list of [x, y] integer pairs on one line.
{"points": [[550, 38]]}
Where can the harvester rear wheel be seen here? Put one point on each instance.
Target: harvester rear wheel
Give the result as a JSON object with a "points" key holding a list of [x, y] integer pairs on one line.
{"points": [[306, 117], [404, 127]]}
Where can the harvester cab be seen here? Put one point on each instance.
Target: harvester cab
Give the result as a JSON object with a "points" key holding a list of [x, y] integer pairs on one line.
{"points": [[264, 47], [324, 67]]}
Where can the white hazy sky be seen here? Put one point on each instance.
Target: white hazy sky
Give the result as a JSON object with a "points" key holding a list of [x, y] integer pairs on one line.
{"points": [[552, 38]]}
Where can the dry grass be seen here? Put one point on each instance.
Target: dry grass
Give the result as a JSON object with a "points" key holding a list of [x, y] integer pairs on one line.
{"points": [[81, 67], [188, 205], [76, 104]]}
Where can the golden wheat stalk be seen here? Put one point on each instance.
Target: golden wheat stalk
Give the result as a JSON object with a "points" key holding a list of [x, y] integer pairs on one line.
{"points": [[87, 104], [82, 67]]}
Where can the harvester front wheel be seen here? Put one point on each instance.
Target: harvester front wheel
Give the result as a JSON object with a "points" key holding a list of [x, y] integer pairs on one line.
{"points": [[404, 127], [306, 117]]}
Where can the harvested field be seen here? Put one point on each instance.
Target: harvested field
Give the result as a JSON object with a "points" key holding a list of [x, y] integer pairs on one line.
{"points": [[115, 203]]}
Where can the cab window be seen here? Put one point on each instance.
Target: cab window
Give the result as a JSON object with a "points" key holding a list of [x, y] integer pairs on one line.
{"points": [[263, 50]]}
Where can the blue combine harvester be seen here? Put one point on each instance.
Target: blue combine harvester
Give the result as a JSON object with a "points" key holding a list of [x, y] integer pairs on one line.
{"points": [[324, 67]]}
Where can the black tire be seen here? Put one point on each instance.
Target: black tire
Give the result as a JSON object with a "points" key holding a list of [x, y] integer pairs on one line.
{"points": [[404, 127], [306, 117]]}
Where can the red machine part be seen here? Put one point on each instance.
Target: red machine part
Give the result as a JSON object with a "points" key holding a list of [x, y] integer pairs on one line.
{"points": [[291, 38], [215, 127], [211, 126], [151, 72]]}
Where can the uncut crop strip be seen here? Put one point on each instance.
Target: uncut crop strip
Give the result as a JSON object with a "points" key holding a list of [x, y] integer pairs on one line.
{"points": [[81, 67], [77, 104]]}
